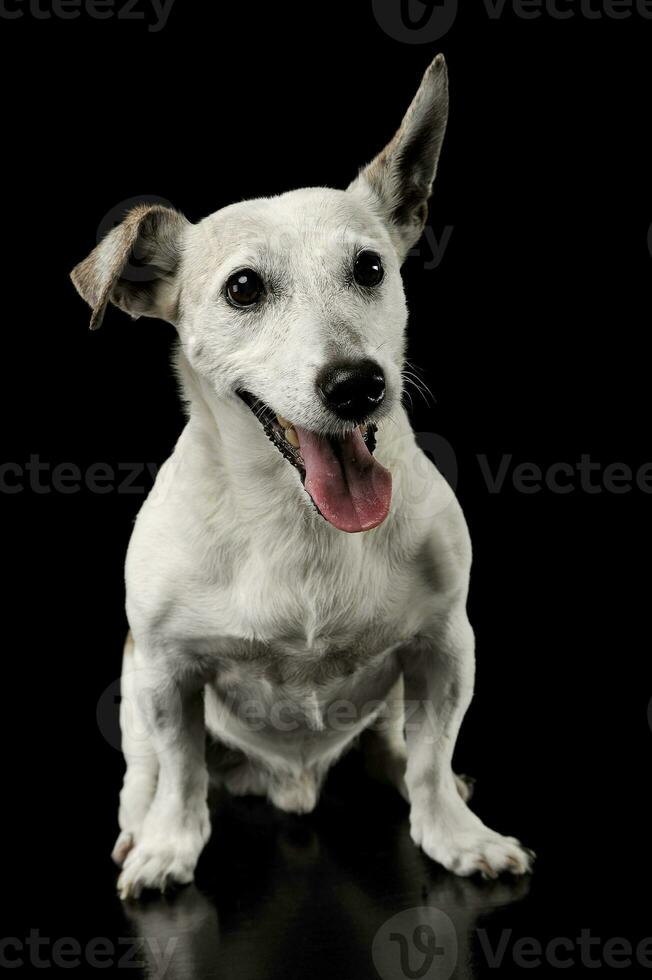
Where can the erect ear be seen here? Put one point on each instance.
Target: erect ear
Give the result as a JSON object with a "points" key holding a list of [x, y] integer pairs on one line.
{"points": [[399, 181], [135, 266]]}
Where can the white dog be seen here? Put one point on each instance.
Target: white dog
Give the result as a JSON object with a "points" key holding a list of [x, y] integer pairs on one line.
{"points": [[255, 613]]}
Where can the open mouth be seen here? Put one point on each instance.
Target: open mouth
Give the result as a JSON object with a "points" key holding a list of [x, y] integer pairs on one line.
{"points": [[347, 485]]}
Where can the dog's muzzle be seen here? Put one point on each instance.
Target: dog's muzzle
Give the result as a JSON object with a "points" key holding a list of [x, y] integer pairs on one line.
{"points": [[347, 485]]}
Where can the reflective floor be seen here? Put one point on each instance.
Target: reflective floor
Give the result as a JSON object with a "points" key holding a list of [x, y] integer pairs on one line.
{"points": [[341, 893], [299, 899]]}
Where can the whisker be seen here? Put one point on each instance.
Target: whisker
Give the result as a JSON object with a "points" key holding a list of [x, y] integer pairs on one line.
{"points": [[417, 382]]}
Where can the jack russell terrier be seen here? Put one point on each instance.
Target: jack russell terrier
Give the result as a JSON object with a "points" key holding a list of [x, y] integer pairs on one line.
{"points": [[298, 576]]}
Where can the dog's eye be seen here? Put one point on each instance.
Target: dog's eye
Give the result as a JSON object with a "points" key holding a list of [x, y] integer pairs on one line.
{"points": [[245, 288], [368, 269]]}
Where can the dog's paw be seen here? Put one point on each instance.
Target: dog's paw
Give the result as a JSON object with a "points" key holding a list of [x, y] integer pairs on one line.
{"points": [[156, 867], [164, 855], [462, 844], [486, 853]]}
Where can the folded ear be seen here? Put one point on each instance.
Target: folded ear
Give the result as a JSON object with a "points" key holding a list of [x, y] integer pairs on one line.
{"points": [[400, 179], [135, 266]]}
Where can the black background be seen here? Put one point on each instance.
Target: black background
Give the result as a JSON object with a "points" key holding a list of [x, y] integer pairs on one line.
{"points": [[532, 335]]}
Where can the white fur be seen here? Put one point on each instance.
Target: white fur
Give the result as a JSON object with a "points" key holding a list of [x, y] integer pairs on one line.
{"points": [[238, 591]]}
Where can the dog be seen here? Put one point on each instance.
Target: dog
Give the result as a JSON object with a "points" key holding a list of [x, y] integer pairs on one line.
{"points": [[297, 579]]}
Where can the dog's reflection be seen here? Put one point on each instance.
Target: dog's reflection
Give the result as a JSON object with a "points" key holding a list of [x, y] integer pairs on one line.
{"points": [[328, 895]]}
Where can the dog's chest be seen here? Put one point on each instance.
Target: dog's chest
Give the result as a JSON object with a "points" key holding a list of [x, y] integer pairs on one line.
{"points": [[297, 653], [310, 619]]}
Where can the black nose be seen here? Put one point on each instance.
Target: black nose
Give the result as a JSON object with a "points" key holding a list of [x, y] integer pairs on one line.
{"points": [[352, 389]]}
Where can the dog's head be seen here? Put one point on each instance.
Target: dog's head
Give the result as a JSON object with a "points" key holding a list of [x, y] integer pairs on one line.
{"points": [[294, 305]]}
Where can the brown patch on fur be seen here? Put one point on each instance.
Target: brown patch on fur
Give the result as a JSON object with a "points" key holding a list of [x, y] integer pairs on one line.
{"points": [[97, 276], [402, 175]]}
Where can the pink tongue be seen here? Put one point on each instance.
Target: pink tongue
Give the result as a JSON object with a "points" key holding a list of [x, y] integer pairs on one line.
{"points": [[352, 490]]}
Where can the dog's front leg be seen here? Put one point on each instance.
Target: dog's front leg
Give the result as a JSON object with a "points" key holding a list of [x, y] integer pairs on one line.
{"points": [[438, 674], [177, 824]]}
